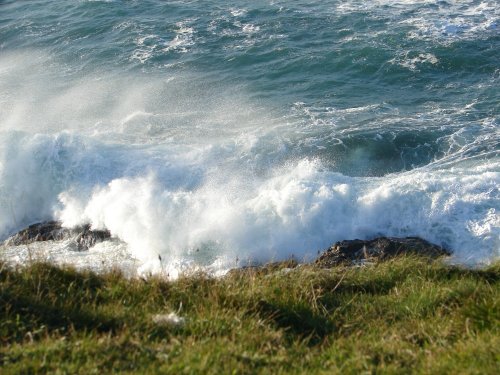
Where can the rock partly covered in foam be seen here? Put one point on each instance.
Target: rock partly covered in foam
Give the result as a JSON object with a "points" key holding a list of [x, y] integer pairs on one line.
{"points": [[356, 251], [353, 252], [84, 237], [343, 252]]}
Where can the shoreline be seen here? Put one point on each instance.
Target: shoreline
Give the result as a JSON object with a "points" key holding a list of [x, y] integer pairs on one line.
{"points": [[354, 252]]}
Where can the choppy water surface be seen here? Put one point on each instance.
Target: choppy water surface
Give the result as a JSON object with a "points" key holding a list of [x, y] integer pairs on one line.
{"points": [[214, 134]]}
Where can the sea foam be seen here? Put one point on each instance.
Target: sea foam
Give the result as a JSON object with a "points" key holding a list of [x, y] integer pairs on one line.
{"points": [[295, 213], [187, 174]]}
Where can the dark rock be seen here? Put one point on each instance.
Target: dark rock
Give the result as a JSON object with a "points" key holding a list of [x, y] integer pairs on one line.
{"points": [[88, 238], [355, 251], [83, 236], [46, 231]]}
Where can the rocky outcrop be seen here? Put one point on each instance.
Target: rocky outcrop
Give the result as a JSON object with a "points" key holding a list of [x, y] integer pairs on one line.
{"points": [[344, 252], [357, 251], [83, 236]]}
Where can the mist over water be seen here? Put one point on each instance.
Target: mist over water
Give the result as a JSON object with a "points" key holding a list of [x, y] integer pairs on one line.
{"points": [[209, 135]]}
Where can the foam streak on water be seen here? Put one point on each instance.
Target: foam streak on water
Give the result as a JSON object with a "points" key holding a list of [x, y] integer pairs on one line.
{"points": [[208, 135]]}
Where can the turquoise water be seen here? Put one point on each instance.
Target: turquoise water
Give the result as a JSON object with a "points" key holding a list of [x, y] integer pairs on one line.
{"points": [[213, 133]]}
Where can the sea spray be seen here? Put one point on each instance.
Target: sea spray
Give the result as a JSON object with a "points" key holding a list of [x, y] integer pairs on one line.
{"points": [[208, 136], [297, 212]]}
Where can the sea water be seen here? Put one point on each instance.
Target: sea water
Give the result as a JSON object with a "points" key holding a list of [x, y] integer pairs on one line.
{"points": [[208, 134]]}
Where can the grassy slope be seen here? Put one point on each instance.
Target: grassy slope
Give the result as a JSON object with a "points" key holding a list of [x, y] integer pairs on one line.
{"points": [[402, 314]]}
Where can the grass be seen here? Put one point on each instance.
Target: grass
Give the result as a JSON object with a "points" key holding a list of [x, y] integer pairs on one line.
{"points": [[407, 315]]}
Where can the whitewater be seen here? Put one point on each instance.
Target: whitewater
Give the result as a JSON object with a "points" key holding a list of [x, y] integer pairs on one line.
{"points": [[208, 136]]}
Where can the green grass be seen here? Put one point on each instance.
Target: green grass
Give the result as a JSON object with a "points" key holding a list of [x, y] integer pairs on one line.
{"points": [[406, 315]]}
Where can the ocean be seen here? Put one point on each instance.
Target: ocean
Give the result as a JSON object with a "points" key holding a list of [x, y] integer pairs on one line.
{"points": [[208, 135]]}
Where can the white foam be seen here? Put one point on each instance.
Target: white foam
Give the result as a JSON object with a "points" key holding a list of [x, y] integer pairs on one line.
{"points": [[235, 12], [183, 38], [457, 21], [414, 61], [183, 180], [250, 28], [444, 23], [151, 45], [296, 212], [104, 256]]}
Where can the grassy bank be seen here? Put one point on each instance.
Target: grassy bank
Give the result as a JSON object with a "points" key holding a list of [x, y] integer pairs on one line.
{"points": [[405, 315]]}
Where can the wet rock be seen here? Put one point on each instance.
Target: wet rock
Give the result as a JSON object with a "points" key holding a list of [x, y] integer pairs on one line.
{"points": [[356, 251], [88, 238], [83, 236], [46, 231]]}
